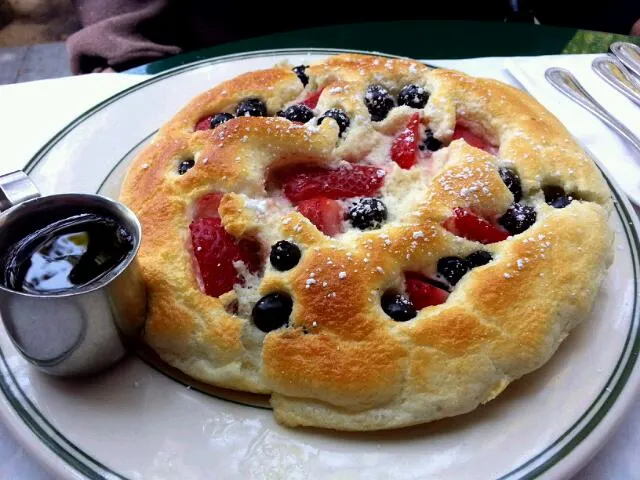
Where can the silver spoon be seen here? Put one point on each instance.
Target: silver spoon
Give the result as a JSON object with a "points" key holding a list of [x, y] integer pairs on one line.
{"points": [[628, 54], [564, 81], [615, 74]]}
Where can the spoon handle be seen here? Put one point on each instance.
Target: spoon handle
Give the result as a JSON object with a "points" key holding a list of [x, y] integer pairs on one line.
{"points": [[628, 54], [564, 81], [615, 74]]}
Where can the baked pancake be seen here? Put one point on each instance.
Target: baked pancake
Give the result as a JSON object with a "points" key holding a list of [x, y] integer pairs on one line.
{"points": [[371, 242]]}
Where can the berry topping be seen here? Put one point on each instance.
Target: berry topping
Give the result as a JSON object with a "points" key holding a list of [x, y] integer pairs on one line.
{"points": [[339, 116], [556, 197], [204, 123], [185, 166], [354, 181], [219, 119], [398, 307], [272, 311], [467, 224], [297, 113], [378, 101], [325, 213], [300, 72], [404, 150], [430, 143], [452, 268], [312, 100], [518, 218], [367, 213], [512, 181], [215, 251], [284, 255], [251, 107], [207, 206], [413, 96], [472, 139], [423, 293], [478, 258]]}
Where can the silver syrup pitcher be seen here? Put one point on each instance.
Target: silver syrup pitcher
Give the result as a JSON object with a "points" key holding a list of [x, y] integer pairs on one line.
{"points": [[75, 332]]}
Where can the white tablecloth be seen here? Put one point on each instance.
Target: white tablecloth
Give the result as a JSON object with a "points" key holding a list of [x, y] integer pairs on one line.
{"points": [[31, 113]]}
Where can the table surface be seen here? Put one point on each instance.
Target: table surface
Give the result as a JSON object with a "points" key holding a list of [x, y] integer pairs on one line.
{"points": [[417, 39]]}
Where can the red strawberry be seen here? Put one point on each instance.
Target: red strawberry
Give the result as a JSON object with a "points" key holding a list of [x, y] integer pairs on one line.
{"points": [[207, 206], [467, 224], [215, 251], [424, 294], [309, 182], [404, 150], [312, 100], [472, 139], [204, 123], [324, 213]]}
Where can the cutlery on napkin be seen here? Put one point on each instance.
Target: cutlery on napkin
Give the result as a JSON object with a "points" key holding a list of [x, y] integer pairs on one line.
{"points": [[615, 154]]}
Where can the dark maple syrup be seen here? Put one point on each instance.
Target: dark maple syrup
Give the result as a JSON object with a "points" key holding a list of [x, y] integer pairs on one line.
{"points": [[66, 255]]}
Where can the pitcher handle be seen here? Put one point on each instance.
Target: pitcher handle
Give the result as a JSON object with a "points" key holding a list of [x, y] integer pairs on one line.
{"points": [[16, 187]]}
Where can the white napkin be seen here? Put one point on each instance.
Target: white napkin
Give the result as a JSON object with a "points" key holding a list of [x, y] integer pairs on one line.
{"points": [[33, 112]]}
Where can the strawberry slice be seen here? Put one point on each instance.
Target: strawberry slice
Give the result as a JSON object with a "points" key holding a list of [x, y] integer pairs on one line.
{"points": [[204, 123], [325, 213], [312, 100], [424, 294], [215, 250], [467, 224], [310, 182], [207, 206], [472, 139], [404, 150]]}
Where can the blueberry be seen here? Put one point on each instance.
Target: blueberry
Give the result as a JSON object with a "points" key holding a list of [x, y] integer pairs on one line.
{"points": [[413, 96], [339, 116], [430, 143], [556, 197], [512, 181], [398, 307], [185, 166], [297, 113], [452, 268], [518, 218], [300, 72], [367, 213], [272, 311], [378, 101], [284, 255], [478, 258], [251, 107], [219, 119]]}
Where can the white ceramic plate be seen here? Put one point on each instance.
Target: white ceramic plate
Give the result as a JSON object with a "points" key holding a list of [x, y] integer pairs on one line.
{"points": [[136, 421]]}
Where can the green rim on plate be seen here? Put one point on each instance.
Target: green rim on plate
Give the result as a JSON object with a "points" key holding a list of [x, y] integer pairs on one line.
{"points": [[86, 465]]}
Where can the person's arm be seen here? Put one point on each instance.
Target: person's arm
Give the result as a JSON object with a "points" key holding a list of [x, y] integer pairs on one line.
{"points": [[119, 34]]}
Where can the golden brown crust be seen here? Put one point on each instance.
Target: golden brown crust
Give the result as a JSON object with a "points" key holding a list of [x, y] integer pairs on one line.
{"points": [[342, 363]]}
